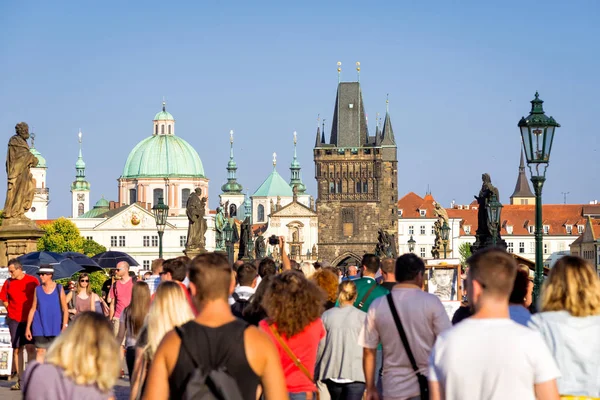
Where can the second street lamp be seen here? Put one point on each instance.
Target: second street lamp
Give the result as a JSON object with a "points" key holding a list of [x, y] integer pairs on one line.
{"points": [[445, 235], [537, 134], [411, 244], [161, 211], [228, 231], [494, 210]]}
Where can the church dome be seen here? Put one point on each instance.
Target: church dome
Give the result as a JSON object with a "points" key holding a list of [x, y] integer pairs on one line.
{"points": [[38, 155], [163, 115], [273, 186], [161, 156]]}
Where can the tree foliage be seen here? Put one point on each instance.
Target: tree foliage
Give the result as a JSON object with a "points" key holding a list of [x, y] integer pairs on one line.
{"points": [[97, 279], [464, 250], [60, 236], [91, 248]]}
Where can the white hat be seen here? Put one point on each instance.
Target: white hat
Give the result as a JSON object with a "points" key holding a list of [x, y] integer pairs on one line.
{"points": [[46, 269]]}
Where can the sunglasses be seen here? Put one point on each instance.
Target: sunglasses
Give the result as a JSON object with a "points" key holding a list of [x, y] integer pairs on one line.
{"points": [[45, 273], [84, 280], [162, 273]]}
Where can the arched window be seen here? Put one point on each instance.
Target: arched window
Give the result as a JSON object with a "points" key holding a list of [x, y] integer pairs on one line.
{"points": [[156, 194], [261, 213], [233, 210], [80, 209], [169, 129], [156, 129], [162, 129], [132, 196], [185, 195]]}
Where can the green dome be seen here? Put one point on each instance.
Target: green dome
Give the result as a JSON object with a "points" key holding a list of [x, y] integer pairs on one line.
{"points": [[41, 160], [274, 185], [102, 203], [101, 207], [164, 115], [161, 156]]}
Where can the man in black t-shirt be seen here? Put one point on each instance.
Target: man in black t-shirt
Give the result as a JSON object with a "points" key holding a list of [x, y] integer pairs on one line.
{"points": [[388, 266]]}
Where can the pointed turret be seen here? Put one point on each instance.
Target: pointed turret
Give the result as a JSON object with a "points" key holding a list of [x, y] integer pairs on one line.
{"points": [[232, 186], [318, 140], [80, 187], [387, 135], [296, 178], [522, 193], [349, 127]]}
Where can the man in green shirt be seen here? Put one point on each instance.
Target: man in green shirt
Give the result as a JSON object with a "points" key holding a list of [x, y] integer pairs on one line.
{"points": [[367, 287]]}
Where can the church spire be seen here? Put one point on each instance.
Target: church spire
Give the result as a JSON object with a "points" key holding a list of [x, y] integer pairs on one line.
{"points": [[296, 179], [80, 188], [231, 186], [387, 135], [80, 167], [522, 189]]}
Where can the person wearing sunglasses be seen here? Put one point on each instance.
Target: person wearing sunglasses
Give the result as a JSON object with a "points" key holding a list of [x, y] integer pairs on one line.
{"points": [[48, 315], [82, 298]]}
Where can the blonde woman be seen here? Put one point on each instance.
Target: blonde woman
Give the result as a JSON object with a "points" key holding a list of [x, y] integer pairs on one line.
{"points": [[83, 299], [569, 322], [339, 359], [170, 308], [81, 363]]}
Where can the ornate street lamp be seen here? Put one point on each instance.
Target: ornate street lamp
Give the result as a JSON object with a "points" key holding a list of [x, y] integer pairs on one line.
{"points": [[537, 134], [445, 235], [228, 231], [494, 209], [411, 244], [161, 211]]}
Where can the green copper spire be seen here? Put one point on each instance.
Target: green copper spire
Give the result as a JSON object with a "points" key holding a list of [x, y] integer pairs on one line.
{"points": [[296, 179], [231, 186], [80, 183]]}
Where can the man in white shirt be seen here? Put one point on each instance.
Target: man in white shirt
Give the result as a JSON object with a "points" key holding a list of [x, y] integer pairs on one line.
{"points": [[488, 356], [154, 280], [246, 276], [423, 317]]}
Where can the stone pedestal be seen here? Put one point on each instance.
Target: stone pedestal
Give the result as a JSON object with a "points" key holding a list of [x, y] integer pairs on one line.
{"points": [[193, 252], [18, 237]]}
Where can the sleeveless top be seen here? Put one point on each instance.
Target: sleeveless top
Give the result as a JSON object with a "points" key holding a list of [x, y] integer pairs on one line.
{"points": [[82, 305], [47, 320], [222, 346]]}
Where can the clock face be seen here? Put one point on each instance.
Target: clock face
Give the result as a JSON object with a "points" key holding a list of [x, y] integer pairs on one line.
{"points": [[80, 197]]}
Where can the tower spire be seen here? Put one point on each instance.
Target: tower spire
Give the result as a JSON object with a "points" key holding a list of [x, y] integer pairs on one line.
{"points": [[232, 186], [80, 187], [296, 178], [522, 189], [387, 134], [339, 69]]}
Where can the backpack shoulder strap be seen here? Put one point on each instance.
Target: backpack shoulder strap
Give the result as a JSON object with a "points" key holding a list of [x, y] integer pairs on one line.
{"points": [[235, 296], [403, 337], [361, 304], [290, 353], [181, 333]]}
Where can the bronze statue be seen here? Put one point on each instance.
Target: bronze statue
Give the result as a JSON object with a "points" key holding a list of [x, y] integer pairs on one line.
{"points": [[385, 245], [195, 210], [21, 188], [484, 236], [219, 234], [260, 247]]}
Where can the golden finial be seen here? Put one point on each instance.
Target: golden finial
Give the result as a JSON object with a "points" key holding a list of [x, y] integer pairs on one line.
{"points": [[339, 64], [80, 135], [358, 70], [295, 138], [274, 159], [231, 136]]}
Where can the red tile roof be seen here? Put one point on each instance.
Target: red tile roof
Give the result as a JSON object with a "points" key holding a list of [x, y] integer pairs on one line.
{"points": [[409, 204], [40, 222]]}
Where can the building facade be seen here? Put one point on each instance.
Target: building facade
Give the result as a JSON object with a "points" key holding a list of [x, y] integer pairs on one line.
{"points": [[356, 180], [41, 198]]}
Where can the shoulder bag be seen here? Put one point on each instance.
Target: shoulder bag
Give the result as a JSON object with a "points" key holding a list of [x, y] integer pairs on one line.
{"points": [[423, 383]]}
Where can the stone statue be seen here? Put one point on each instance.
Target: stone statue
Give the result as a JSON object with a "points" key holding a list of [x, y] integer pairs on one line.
{"points": [[226, 209], [260, 247], [219, 233], [278, 203], [385, 245], [21, 188], [195, 209], [244, 240], [442, 217], [483, 236]]}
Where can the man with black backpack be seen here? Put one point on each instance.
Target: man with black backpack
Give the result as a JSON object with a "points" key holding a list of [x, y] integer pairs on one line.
{"points": [[215, 356], [240, 298]]}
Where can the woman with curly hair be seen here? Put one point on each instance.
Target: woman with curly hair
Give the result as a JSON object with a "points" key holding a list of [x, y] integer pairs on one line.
{"points": [[327, 280], [82, 363], [569, 322], [294, 306]]}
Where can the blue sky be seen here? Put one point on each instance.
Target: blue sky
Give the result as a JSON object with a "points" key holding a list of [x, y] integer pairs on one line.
{"points": [[459, 77]]}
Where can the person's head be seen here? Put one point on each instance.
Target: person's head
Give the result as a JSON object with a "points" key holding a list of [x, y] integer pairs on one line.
{"points": [[165, 274], [388, 270], [170, 308], [147, 275], [122, 269], [352, 270], [46, 272], [307, 269], [15, 269], [255, 312], [348, 293], [410, 269], [317, 265], [370, 264], [157, 266], [293, 302], [327, 280], [176, 269], [246, 275], [572, 285], [211, 278], [237, 264], [267, 267], [87, 351], [491, 277], [139, 306], [295, 266], [520, 288], [83, 283], [22, 130]]}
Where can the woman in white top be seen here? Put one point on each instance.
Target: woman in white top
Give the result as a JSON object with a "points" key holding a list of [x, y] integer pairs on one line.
{"points": [[570, 325]]}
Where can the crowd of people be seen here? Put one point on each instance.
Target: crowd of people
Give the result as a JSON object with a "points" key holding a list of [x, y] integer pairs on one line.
{"points": [[258, 330]]}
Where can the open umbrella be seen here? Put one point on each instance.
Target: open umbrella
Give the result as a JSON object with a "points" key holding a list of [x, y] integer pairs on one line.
{"points": [[87, 263], [110, 259], [63, 267]]}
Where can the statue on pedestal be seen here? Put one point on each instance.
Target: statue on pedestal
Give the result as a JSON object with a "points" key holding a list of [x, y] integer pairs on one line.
{"points": [[385, 245], [485, 229], [219, 234], [244, 240], [21, 188], [195, 210], [260, 247], [442, 217]]}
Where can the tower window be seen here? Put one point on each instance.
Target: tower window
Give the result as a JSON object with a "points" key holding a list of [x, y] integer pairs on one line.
{"points": [[331, 187], [261, 213], [232, 210], [156, 129], [162, 129], [132, 196], [358, 187], [169, 129], [347, 221], [185, 195], [339, 187], [80, 209], [156, 194]]}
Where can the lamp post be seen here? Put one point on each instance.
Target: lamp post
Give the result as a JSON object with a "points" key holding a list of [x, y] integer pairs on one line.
{"points": [[445, 235], [494, 209], [411, 244], [537, 134], [161, 211], [228, 231]]}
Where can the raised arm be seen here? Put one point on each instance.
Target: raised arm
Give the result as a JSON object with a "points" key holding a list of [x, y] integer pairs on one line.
{"points": [[285, 260], [28, 334]]}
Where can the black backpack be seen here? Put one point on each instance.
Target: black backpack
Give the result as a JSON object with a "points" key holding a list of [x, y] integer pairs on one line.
{"points": [[215, 384], [239, 306]]}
